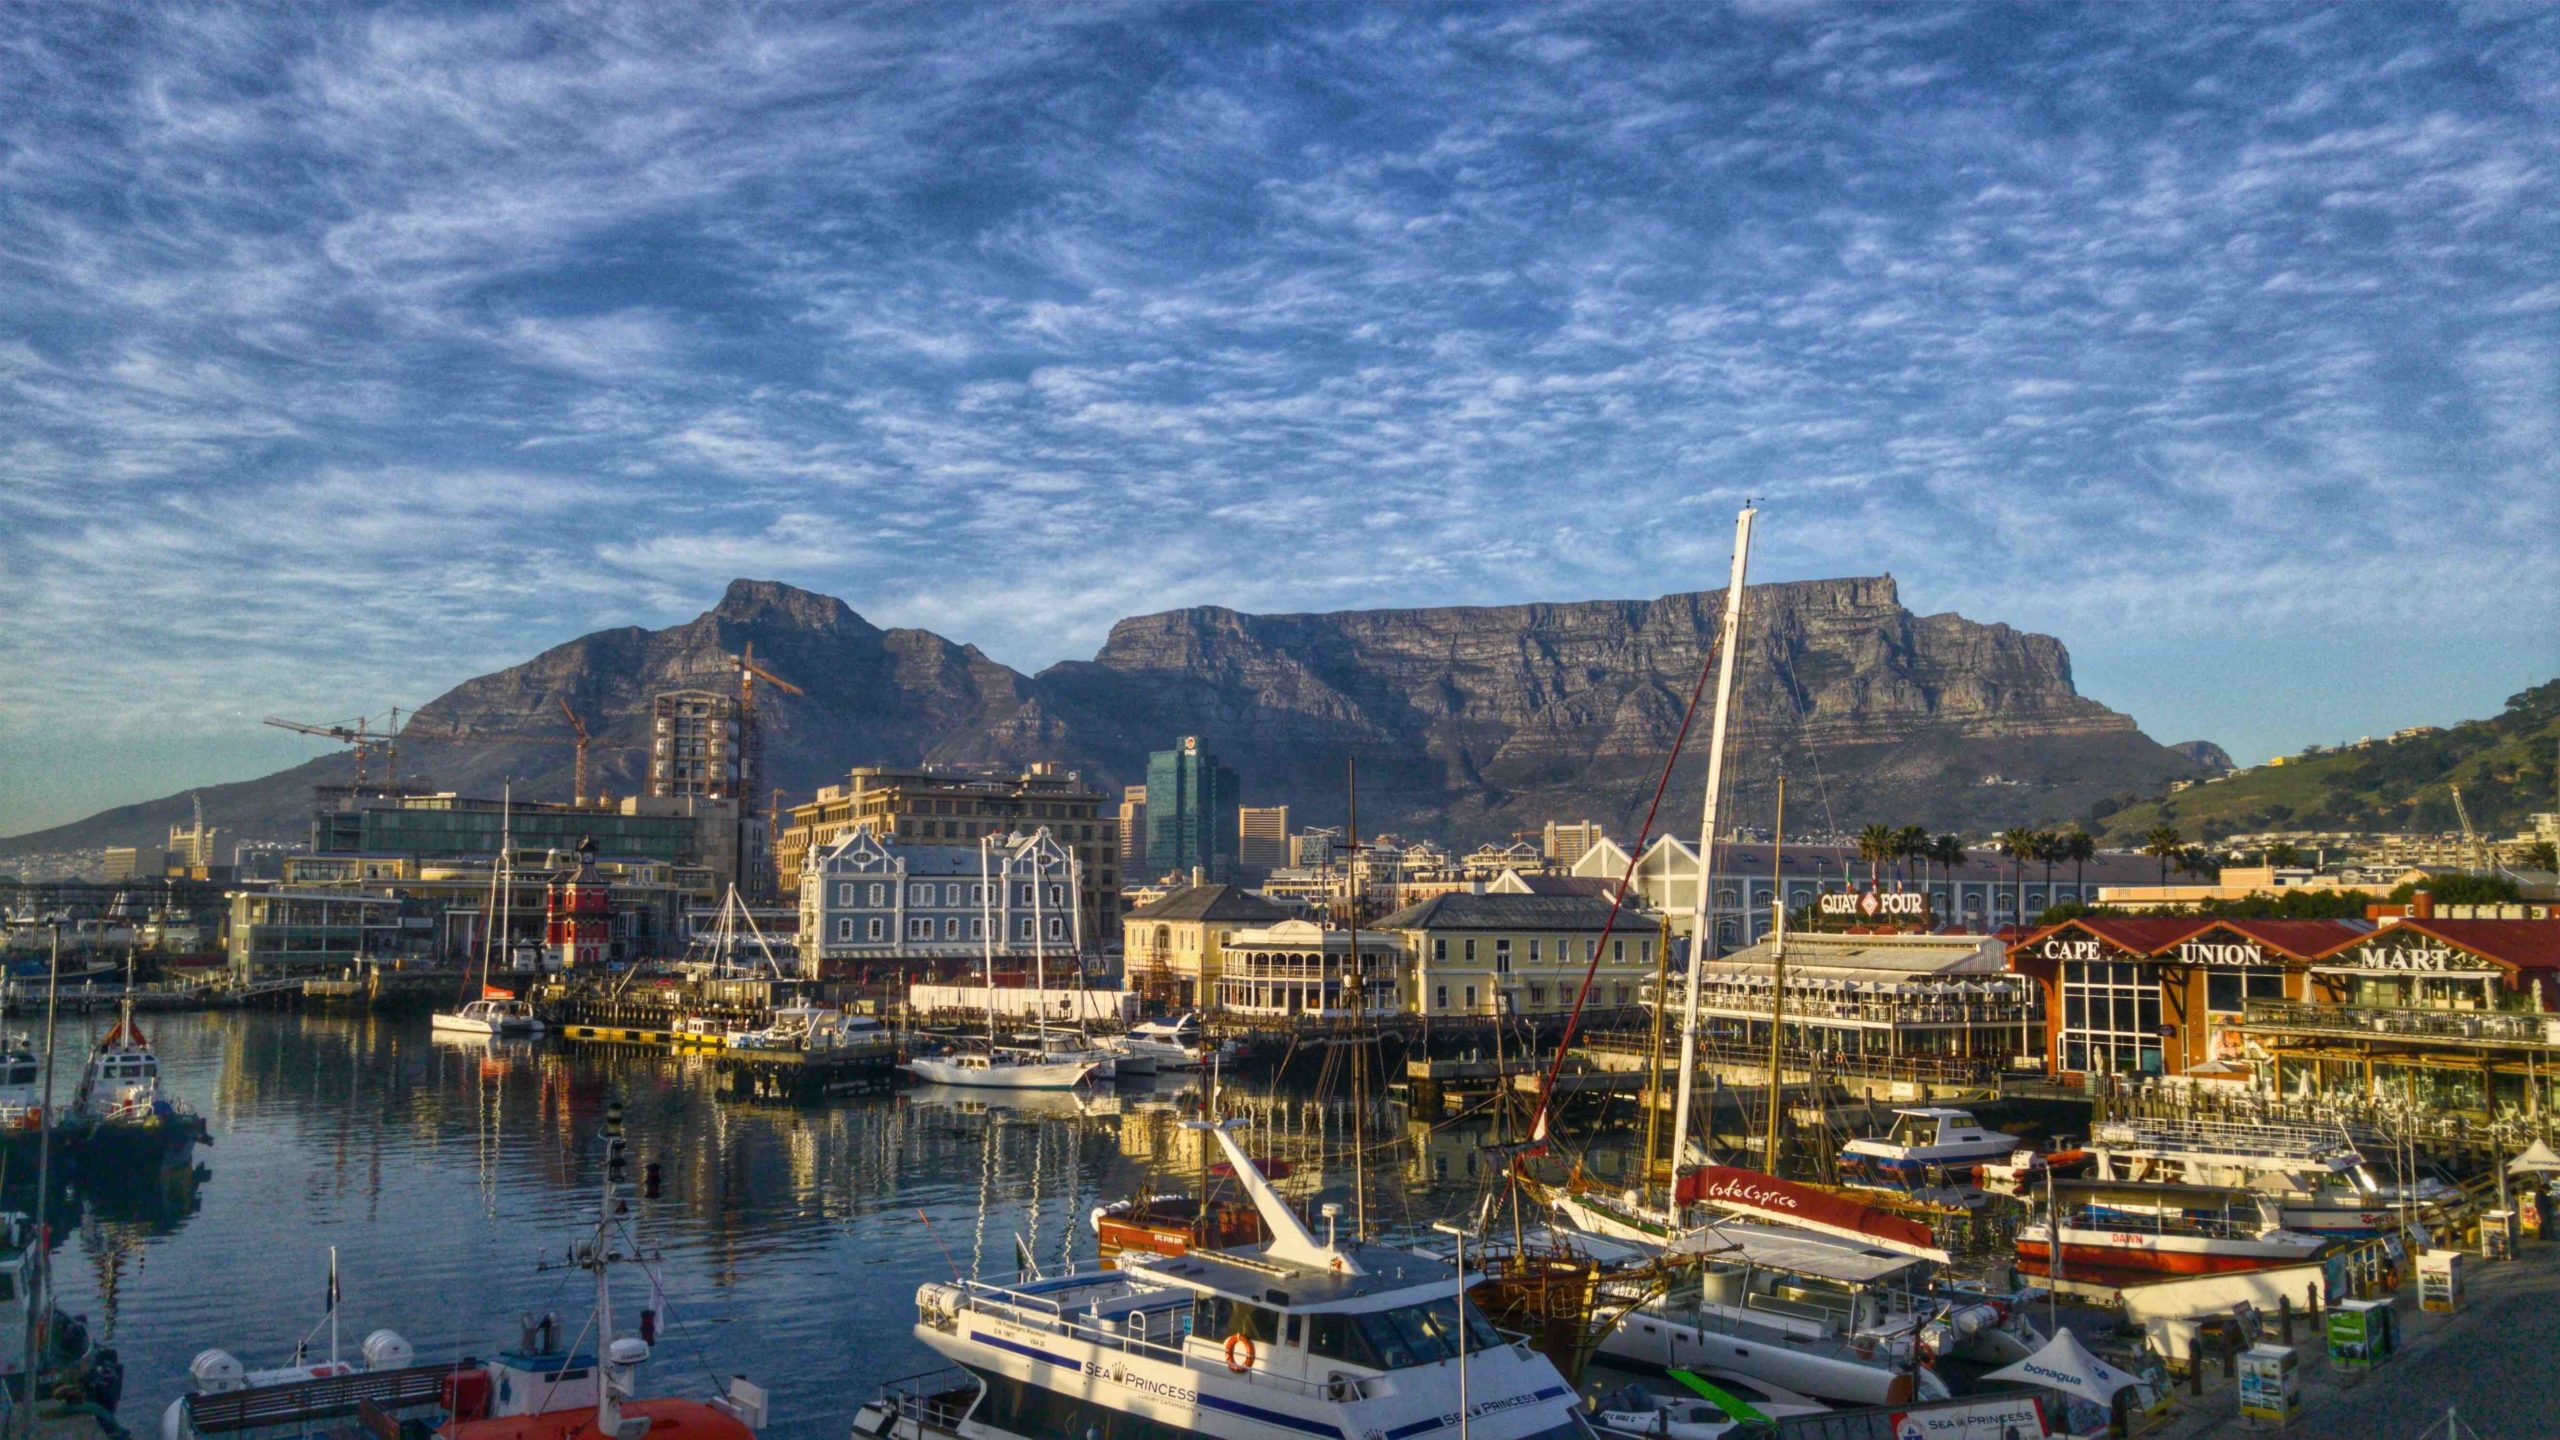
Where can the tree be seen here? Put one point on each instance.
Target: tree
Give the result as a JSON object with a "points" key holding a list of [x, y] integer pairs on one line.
{"points": [[2079, 849], [2542, 855], [2282, 855], [2162, 844], [2019, 844], [1875, 845], [2197, 861], [2048, 850], [2457, 888], [1910, 843]]}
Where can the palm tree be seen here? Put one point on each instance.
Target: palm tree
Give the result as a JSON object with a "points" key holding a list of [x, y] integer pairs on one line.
{"points": [[1910, 843], [1875, 844], [2079, 849], [2282, 854], [2019, 844], [2197, 861], [1948, 851], [2162, 845], [2048, 850]]}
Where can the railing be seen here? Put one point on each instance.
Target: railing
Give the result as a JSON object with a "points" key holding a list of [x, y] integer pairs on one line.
{"points": [[1043, 1315], [1916, 1011], [2272, 1140], [1921, 1069], [2494, 1026], [306, 1401], [936, 1399]]}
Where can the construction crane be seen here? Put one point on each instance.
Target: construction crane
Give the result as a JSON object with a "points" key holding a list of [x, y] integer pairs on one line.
{"points": [[578, 785], [359, 737], [748, 673], [581, 741]]}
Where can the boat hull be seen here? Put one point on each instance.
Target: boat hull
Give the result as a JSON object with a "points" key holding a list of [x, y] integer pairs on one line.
{"points": [[1658, 1342], [2096, 1253], [1039, 1075]]}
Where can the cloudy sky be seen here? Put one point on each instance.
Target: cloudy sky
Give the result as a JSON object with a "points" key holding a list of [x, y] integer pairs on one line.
{"points": [[348, 352]]}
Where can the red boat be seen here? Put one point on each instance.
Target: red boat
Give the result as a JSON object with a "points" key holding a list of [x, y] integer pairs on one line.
{"points": [[1172, 1225], [2144, 1231]]}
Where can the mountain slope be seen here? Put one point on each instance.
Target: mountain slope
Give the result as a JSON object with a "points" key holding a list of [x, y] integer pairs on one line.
{"points": [[2503, 765], [1466, 723]]}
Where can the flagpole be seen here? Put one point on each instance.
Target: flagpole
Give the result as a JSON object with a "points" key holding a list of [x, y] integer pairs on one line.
{"points": [[333, 1305]]}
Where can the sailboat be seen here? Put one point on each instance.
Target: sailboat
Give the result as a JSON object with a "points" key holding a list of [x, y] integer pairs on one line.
{"points": [[998, 1066], [497, 1011]]}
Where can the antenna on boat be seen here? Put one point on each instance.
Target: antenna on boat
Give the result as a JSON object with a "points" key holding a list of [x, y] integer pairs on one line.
{"points": [[1702, 914]]}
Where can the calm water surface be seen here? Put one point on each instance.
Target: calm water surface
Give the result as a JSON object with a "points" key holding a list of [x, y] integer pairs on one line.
{"points": [[790, 1239]]}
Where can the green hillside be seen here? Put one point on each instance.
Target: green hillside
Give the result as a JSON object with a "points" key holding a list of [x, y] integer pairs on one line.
{"points": [[2504, 765]]}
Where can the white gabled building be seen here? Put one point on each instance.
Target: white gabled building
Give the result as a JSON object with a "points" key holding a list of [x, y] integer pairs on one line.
{"points": [[867, 904]]}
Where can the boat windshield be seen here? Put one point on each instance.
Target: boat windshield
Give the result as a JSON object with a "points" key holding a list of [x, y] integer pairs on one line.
{"points": [[1915, 1130], [1398, 1339]]}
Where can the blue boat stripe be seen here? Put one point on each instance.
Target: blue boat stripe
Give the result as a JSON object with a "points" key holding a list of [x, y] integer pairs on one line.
{"points": [[1274, 1417], [1405, 1432], [1001, 1343]]}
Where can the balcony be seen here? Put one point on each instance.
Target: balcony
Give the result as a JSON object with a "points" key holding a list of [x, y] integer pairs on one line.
{"points": [[2497, 1029]]}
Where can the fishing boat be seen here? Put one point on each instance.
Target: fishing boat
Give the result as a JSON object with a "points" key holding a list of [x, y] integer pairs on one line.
{"points": [[536, 1389], [1297, 1337], [2321, 1179], [1926, 1145], [2108, 1232], [120, 1115]]}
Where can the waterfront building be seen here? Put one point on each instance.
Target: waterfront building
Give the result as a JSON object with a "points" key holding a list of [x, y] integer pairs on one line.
{"points": [[1293, 968], [875, 908], [1191, 812], [1565, 844], [2439, 1015], [2162, 995], [1313, 848], [699, 745], [134, 862], [1133, 830], [319, 931], [1883, 996], [1476, 953], [450, 895], [1262, 837], [1172, 949], [936, 804], [1982, 896], [1487, 861]]}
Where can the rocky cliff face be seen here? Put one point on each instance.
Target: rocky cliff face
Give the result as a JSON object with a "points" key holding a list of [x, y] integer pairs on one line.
{"points": [[1465, 722]]}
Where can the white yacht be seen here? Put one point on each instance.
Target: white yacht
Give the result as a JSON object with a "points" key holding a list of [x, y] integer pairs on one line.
{"points": [[814, 1030], [496, 1012], [1293, 1339], [1178, 1042], [1001, 1068], [1927, 1145], [2320, 1179]]}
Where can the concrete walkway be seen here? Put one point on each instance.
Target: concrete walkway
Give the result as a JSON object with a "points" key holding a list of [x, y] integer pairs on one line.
{"points": [[2493, 1363]]}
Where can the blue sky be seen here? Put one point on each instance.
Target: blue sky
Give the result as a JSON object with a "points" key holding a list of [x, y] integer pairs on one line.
{"points": [[348, 352]]}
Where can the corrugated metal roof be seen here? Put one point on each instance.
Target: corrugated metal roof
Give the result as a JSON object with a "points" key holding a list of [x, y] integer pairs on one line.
{"points": [[1466, 910], [1212, 902]]}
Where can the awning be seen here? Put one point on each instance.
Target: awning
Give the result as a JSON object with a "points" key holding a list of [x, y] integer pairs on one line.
{"points": [[2066, 1365], [2537, 1159]]}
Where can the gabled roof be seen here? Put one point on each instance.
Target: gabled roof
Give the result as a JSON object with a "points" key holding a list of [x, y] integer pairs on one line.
{"points": [[1499, 911], [2138, 934], [1212, 902], [2297, 939], [2519, 944]]}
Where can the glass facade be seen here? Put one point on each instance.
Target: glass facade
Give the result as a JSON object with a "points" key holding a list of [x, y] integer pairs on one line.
{"points": [[1191, 812], [468, 831], [2110, 1018]]}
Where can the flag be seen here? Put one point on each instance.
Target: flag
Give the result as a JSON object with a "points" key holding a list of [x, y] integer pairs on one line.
{"points": [[332, 1306]]}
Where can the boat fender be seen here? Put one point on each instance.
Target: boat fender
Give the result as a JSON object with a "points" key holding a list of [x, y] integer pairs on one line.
{"points": [[1337, 1264], [1240, 1352]]}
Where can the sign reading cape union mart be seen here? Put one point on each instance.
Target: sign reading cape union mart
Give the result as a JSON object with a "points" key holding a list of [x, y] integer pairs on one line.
{"points": [[2426, 956]]}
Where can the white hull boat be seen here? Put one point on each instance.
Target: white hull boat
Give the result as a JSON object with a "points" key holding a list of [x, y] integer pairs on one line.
{"points": [[489, 1017], [1000, 1072]]}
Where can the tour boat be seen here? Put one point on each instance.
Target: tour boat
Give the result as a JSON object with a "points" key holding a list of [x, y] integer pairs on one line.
{"points": [[119, 1113], [1296, 1338], [496, 1012], [2113, 1232], [1927, 1145], [2320, 1177]]}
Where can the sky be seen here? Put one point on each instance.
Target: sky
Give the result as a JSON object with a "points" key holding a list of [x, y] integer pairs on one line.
{"points": [[347, 352]]}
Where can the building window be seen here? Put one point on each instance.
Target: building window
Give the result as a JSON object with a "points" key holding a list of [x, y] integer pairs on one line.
{"points": [[1502, 956], [1617, 952], [844, 893], [1439, 997], [2225, 991], [1057, 927], [1620, 992], [951, 895], [1646, 947], [977, 929], [879, 895], [1026, 894], [1537, 997], [2110, 1018], [1439, 948], [1024, 930], [919, 894], [1589, 949], [1471, 999], [1534, 946], [875, 927], [919, 929], [844, 929], [951, 927], [1057, 894], [1471, 948]]}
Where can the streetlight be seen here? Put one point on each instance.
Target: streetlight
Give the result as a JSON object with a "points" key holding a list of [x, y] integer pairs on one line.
{"points": [[1460, 1232]]}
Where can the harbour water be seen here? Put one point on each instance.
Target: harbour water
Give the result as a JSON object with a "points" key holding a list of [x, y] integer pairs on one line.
{"points": [[790, 1238]]}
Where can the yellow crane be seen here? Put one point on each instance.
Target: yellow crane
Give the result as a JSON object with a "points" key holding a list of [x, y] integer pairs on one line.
{"points": [[366, 742]]}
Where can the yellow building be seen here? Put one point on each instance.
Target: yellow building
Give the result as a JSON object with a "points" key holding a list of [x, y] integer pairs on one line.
{"points": [[1492, 953], [1172, 948]]}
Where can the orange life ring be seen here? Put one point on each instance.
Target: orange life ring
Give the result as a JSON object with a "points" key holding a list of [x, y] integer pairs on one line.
{"points": [[1239, 1366]]}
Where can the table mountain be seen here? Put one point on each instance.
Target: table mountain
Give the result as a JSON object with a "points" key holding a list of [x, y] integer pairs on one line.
{"points": [[1466, 722]]}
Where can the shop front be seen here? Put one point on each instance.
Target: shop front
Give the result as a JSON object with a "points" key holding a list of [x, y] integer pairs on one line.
{"points": [[2168, 996]]}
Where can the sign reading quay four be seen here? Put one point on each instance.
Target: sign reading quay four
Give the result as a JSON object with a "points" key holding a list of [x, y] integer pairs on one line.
{"points": [[1875, 904]]}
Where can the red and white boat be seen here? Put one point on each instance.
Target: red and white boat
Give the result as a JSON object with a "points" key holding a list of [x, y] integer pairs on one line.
{"points": [[2116, 1232]]}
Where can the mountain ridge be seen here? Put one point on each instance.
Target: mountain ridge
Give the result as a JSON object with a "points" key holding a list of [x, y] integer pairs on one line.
{"points": [[1466, 722]]}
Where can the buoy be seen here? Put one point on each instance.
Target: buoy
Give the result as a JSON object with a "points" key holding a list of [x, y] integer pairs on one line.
{"points": [[1237, 1341]]}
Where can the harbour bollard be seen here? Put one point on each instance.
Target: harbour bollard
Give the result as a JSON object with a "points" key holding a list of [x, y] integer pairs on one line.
{"points": [[2230, 1356], [2284, 1315], [2315, 1304], [2195, 1367]]}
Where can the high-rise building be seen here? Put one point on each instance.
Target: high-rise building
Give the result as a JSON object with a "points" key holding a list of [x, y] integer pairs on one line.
{"points": [[1311, 848], [699, 746], [949, 804], [1262, 836], [1133, 829], [1567, 843], [1191, 812]]}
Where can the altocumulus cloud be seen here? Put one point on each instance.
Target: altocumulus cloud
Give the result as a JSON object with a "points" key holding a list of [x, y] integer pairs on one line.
{"points": [[345, 352]]}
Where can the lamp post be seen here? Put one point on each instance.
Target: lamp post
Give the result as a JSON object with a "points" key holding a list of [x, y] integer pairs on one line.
{"points": [[1459, 1232]]}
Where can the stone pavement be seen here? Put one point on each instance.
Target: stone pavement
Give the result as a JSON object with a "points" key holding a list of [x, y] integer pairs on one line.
{"points": [[2494, 1362]]}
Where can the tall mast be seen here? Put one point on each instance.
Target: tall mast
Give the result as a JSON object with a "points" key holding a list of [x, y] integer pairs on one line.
{"points": [[1359, 1023], [507, 871], [1777, 978], [986, 890], [1701, 913], [1039, 944]]}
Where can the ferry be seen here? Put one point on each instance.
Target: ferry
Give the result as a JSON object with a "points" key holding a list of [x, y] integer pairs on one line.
{"points": [[2323, 1183], [2113, 1232], [1932, 1145], [1297, 1338]]}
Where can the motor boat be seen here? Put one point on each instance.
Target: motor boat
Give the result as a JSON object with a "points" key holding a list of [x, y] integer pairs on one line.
{"points": [[1293, 1338], [496, 1012], [119, 1113], [2320, 1177], [1172, 1225], [1931, 1145], [2108, 1232], [813, 1030], [1178, 1042]]}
